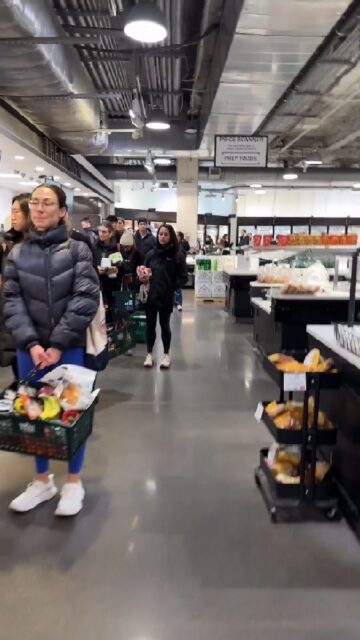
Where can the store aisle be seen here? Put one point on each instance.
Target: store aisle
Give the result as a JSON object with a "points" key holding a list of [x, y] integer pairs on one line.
{"points": [[174, 542]]}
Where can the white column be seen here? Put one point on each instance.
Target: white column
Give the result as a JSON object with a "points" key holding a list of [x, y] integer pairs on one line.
{"points": [[187, 198]]}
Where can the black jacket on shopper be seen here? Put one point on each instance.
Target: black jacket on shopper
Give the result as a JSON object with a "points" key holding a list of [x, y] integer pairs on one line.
{"points": [[168, 274], [144, 244], [51, 291]]}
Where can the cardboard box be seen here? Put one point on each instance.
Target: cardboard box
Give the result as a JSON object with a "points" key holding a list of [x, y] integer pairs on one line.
{"points": [[203, 290]]}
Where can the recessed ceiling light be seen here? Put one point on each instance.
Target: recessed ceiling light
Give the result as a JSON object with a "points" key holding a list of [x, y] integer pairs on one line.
{"points": [[163, 162], [56, 177], [290, 176], [29, 183], [19, 157], [313, 163], [356, 185], [39, 168], [260, 192], [255, 185], [77, 189], [10, 175], [67, 184], [86, 194], [145, 23], [191, 130]]}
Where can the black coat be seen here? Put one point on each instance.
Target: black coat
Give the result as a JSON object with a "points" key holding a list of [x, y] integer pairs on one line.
{"points": [[51, 291], [131, 261], [145, 244], [168, 274], [7, 345]]}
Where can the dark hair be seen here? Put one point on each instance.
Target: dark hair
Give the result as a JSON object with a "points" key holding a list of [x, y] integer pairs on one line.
{"points": [[173, 239], [23, 200], [112, 218], [142, 220], [181, 235], [107, 225], [86, 219], [59, 192]]}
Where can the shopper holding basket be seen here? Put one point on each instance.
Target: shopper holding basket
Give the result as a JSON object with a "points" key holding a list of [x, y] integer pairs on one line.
{"points": [[51, 293], [164, 272]]}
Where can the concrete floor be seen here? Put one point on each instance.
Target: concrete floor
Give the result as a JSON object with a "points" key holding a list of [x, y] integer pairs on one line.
{"points": [[174, 541]]}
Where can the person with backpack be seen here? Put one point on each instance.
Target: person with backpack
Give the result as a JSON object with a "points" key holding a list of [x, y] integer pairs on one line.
{"points": [[165, 272], [51, 293]]}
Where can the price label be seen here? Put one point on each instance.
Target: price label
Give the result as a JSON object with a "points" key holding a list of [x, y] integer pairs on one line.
{"points": [[259, 412], [294, 381]]}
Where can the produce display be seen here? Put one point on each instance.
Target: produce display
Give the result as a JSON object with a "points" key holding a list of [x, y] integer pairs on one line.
{"points": [[289, 415], [313, 363], [285, 466]]}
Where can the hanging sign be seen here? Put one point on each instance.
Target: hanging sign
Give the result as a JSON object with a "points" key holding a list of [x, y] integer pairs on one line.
{"points": [[241, 151]]}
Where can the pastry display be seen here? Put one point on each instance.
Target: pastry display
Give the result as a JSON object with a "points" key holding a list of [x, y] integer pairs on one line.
{"points": [[313, 363], [286, 467], [293, 288], [289, 415]]}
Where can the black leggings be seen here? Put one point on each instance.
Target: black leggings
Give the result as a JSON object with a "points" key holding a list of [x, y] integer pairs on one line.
{"points": [[151, 319]]}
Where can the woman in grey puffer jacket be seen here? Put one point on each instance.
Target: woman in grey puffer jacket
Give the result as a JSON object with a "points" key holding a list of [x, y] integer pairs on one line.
{"points": [[51, 293]]}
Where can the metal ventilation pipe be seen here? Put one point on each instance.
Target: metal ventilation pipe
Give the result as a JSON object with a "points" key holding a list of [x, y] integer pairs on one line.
{"points": [[48, 69]]}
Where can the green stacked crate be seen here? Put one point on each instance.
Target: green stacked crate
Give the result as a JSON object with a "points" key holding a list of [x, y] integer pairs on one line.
{"points": [[139, 319]]}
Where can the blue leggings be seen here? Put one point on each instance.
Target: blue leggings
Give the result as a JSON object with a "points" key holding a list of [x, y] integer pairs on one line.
{"points": [[25, 364]]}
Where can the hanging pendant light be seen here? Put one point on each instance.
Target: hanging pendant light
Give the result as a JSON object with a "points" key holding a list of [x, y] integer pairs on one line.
{"points": [[158, 120], [145, 22]]}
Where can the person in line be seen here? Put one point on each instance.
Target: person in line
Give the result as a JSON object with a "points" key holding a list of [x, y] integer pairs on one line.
{"points": [[184, 246], [51, 293], [168, 273], [209, 244], [131, 261], [88, 231], [108, 273], [113, 221], [120, 230], [144, 239], [20, 220], [244, 238]]}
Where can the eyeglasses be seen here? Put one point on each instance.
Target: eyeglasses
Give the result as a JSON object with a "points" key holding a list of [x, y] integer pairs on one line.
{"points": [[47, 204]]}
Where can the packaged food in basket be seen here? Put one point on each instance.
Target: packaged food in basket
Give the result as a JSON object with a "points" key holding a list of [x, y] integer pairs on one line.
{"points": [[284, 464]]}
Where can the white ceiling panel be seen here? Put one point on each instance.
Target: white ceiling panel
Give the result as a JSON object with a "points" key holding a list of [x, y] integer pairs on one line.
{"points": [[274, 40]]}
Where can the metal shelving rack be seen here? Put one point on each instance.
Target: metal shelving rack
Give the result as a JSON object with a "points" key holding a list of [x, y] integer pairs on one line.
{"points": [[307, 498]]}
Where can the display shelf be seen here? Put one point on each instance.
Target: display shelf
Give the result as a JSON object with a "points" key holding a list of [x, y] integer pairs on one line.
{"points": [[292, 436], [313, 380]]}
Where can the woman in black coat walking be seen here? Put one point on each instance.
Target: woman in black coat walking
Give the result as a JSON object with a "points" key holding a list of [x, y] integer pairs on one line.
{"points": [[167, 272]]}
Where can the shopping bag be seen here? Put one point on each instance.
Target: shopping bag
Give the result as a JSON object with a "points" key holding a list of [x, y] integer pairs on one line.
{"points": [[96, 353]]}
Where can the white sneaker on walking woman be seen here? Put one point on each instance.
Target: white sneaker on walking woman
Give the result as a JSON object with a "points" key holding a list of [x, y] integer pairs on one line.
{"points": [[72, 498], [35, 493], [148, 361], [165, 362]]}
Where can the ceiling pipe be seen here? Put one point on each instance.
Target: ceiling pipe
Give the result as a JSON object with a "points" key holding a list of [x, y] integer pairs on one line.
{"points": [[48, 69]]}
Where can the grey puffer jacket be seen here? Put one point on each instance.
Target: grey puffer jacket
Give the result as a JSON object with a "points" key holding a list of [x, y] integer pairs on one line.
{"points": [[51, 291]]}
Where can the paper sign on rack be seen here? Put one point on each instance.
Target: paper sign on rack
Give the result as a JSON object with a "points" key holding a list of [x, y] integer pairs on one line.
{"points": [[294, 381], [259, 412]]}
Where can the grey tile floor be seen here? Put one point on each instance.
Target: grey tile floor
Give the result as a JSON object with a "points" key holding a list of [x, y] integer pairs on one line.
{"points": [[174, 541]]}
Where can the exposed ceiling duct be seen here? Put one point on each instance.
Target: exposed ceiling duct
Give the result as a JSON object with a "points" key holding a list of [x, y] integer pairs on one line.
{"points": [[274, 39], [48, 69]]}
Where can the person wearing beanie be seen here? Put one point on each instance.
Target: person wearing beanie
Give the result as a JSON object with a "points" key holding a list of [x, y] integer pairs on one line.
{"points": [[144, 239], [131, 261]]}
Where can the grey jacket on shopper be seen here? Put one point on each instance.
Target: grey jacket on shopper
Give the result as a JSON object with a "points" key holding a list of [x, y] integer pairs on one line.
{"points": [[51, 291]]}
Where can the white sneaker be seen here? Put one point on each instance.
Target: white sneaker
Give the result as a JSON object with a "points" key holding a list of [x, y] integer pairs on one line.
{"points": [[148, 361], [71, 501], [179, 307], [36, 493], [165, 362]]}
